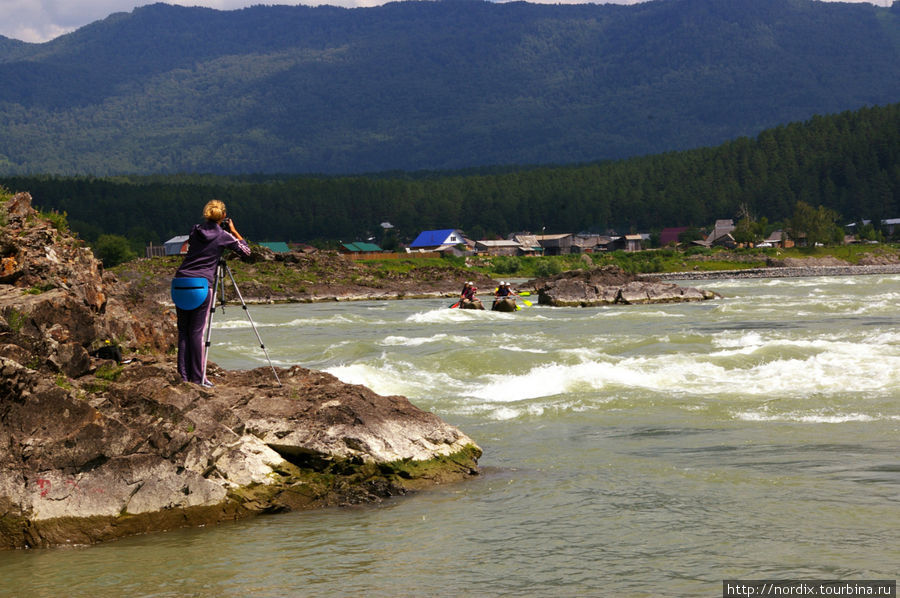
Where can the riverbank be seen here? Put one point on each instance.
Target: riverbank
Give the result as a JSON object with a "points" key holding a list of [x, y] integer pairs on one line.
{"points": [[323, 276], [777, 272], [328, 276]]}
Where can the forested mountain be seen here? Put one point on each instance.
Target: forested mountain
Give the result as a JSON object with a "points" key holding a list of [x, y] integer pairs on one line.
{"points": [[431, 85], [848, 162]]}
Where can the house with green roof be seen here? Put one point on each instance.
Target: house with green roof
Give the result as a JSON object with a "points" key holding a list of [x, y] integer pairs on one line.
{"points": [[360, 247], [276, 246]]}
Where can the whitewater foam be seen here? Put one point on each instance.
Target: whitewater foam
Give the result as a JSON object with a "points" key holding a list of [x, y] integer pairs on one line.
{"points": [[406, 341], [809, 418]]}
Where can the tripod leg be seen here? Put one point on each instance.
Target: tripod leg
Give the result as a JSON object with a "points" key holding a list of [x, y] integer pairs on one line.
{"points": [[218, 285], [252, 324]]}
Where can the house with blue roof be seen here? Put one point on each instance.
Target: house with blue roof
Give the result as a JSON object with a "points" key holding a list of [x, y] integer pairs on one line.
{"points": [[434, 239]]}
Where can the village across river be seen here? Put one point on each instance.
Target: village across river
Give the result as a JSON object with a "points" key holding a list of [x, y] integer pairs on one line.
{"points": [[628, 450]]}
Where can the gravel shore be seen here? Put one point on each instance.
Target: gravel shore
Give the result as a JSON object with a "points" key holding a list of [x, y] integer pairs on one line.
{"points": [[778, 272]]}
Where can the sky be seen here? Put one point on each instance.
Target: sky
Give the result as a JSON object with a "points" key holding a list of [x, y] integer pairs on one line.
{"points": [[43, 20]]}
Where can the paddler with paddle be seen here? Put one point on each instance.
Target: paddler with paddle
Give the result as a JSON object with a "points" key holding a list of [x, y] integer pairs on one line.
{"points": [[462, 294], [504, 295], [467, 299]]}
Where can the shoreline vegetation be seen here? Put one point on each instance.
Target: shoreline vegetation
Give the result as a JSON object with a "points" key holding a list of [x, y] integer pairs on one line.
{"points": [[294, 277]]}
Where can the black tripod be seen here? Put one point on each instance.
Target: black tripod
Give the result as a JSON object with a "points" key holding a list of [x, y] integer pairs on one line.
{"points": [[219, 291]]}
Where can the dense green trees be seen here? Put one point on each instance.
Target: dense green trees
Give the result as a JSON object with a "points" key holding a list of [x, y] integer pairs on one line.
{"points": [[848, 163], [749, 231], [818, 226], [113, 250]]}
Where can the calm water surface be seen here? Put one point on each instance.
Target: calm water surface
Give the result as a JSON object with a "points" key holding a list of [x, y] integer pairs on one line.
{"points": [[629, 451]]}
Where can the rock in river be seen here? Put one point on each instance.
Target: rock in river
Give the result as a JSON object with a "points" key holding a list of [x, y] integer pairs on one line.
{"points": [[96, 447], [609, 285]]}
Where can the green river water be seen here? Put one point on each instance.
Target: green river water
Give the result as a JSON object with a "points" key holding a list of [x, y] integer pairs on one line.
{"points": [[628, 451]]}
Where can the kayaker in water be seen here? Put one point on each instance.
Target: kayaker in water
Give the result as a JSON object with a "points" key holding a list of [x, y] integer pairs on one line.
{"points": [[468, 298], [503, 293]]}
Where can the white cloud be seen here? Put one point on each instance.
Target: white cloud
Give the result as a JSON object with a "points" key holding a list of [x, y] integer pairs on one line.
{"points": [[42, 20]]}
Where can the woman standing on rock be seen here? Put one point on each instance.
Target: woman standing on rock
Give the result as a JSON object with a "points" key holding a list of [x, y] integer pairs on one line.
{"points": [[193, 286]]}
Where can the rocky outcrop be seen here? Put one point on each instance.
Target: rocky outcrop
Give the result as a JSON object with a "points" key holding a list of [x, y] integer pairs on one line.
{"points": [[611, 285], [56, 297], [94, 448], [880, 259], [134, 449]]}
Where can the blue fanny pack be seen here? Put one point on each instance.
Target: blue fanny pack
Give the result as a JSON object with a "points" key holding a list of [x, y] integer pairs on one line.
{"points": [[189, 293]]}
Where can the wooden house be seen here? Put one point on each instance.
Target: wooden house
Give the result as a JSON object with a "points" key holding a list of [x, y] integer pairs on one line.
{"points": [[628, 243], [177, 245], [528, 244], [721, 234], [556, 244], [498, 247]]}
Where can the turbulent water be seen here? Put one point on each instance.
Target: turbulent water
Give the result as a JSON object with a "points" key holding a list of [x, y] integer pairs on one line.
{"points": [[629, 451]]}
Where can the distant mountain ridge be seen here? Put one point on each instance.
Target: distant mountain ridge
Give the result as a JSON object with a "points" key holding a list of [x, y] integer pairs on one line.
{"points": [[431, 85]]}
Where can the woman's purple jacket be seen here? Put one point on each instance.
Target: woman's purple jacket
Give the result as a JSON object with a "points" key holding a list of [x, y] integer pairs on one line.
{"points": [[206, 243]]}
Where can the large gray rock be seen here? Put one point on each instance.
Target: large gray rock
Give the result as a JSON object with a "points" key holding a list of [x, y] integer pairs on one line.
{"points": [[611, 285], [95, 459]]}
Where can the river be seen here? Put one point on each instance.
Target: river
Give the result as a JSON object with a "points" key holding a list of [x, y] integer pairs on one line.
{"points": [[628, 451]]}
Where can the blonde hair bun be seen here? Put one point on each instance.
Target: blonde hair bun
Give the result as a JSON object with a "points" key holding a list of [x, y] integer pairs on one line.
{"points": [[214, 210]]}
